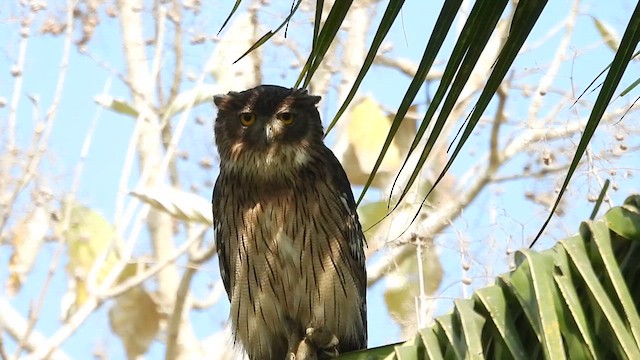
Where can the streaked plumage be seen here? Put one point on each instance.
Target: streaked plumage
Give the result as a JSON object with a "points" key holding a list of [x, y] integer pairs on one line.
{"points": [[289, 242]]}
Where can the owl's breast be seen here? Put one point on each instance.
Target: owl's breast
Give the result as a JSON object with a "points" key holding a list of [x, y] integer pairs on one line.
{"points": [[280, 240], [290, 262]]}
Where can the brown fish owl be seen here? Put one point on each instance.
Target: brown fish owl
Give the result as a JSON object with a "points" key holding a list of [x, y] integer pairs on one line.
{"points": [[289, 242]]}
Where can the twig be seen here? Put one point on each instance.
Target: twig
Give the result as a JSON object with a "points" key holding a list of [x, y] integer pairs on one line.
{"points": [[549, 77], [177, 50], [537, 174], [13, 112], [159, 50], [17, 85], [594, 173], [3, 353], [35, 311], [422, 296], [182, 293], [34, 163], [139, 279], [405, 66], [214, 295], [15, 325], [47, 347]]}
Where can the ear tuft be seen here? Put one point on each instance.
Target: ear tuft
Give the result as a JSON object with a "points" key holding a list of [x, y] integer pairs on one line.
{"points": [[303, 96], [223, 101], [314, 99], [219, 100]]}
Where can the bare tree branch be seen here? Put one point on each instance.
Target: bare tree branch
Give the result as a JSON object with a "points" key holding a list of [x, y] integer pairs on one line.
{"points": [[17, 327]]}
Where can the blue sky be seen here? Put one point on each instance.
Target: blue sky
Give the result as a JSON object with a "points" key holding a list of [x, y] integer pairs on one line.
{"points": [[99, 181]]}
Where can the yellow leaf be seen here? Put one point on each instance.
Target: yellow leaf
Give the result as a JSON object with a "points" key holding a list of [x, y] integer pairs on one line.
{"points": [[89, 238], [361, 141], [367, 128], [608, 33]]}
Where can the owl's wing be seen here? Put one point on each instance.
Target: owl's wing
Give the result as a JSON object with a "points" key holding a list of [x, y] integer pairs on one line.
{"points": [[222, 244], [353, 229]]}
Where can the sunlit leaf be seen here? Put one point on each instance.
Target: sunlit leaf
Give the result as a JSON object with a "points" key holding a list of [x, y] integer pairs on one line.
{"points": [[116, 105], [180, 204], [365, 131], [89, 238], [608, 33]]}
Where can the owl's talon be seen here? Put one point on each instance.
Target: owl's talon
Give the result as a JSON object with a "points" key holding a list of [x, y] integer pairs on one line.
{"points": [[323, 340], [321, 337]]}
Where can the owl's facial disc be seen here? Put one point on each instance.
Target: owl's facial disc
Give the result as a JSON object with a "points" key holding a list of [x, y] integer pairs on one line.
{"points": [[268, 131]]}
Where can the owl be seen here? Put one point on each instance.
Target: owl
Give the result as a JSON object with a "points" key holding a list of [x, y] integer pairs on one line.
{"points": [[289, 242]]}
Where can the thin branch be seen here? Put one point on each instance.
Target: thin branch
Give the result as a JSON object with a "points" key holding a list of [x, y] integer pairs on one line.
{"points": [[549, 77], [82, 314], [537, 174], [15, 325], [214, 295], [182, 293], [156, 66], [3, 353], [140, 278], [17, 72], [47, 347], [176, 17], [34, 312], [405, 66], [498, 120], [173, 327], [435, 223], [8, 163]]}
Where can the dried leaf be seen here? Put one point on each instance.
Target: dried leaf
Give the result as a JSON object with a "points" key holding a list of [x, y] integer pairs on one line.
{"points": [[135, 319], [28, 237], [116, 105], [181, 204]]}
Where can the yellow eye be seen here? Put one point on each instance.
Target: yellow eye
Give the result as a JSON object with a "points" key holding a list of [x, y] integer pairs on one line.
{"points": [[287, 118], [247, 118]]}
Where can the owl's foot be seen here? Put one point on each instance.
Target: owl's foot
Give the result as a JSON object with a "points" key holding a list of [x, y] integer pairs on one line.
{"points": [[324, 341], [318, 343]]}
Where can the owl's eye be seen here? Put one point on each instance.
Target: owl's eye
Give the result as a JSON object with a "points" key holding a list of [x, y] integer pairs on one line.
{"points": [[247, 118], [287, 118]]}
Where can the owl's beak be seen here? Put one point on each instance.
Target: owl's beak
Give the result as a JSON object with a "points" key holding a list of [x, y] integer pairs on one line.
{"points": [[269, 133]]}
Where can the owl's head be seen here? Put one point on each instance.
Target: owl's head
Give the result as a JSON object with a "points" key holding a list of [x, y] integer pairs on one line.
{"points": [[267, 129]]}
